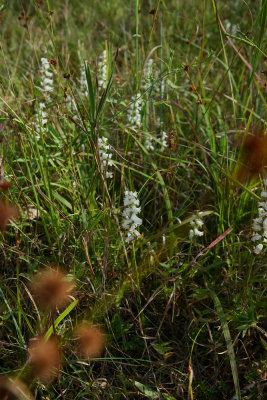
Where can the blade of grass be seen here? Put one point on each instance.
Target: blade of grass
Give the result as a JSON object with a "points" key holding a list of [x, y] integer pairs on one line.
{"points": [[229, 344]]}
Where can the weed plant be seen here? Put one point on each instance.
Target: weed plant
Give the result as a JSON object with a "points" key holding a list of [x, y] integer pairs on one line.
{"points": [[133, 159]]}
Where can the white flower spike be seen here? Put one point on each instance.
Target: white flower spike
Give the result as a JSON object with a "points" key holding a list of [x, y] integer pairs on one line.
{"points": [[131, 220], [259, 235]]}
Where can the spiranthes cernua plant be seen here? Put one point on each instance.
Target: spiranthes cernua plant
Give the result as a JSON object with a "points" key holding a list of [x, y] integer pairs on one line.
{"points": [[7, 212], [52, 289], [44, 357], [90, 340], [12, 388]]}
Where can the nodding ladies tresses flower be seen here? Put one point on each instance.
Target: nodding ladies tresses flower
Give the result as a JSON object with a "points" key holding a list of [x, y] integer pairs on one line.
{"points": [[134, 112], [105, 156], [260, 223], [83, 80], [164, 140], [148, 74], [131, 220], [148, 143], [41, 119], [47, 81], [70, 104], [102, 70], [196, 223]]}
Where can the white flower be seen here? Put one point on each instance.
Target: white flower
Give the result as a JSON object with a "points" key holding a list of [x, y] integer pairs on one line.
{"points": [[260, 224], [148, 74], [105, 156], [164, 140], [83, 80], [231, 28], [47, 75], [47, 86], [131, 220], [256, 237], [134, 112], [196, 223], [70, 104], [102, 70], [148, 143], [41, 119], [258, 248]]}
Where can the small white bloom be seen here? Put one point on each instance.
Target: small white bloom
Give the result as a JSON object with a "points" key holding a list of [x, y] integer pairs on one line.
{"points": [[149, 144], [105, 156], [47, 75], [83, 80], [148, 74], [260, 223], [164, 140], [256, 237], [197, 232], [131, 220], [41, 119], [196, 223], [102, 70], [258, 248], [134, 112]]}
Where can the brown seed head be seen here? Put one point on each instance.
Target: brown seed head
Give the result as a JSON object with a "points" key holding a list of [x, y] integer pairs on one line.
{"points": [[7, 212], [13, 389], [5, 185], [53, 61], [91, 340], [45, 357], [253, 158], [52, 289]]}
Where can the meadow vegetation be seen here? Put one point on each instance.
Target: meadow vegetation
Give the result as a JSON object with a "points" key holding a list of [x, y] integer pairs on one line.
{"points": [[133, 199]]}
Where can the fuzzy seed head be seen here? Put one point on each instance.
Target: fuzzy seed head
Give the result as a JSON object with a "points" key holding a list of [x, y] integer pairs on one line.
{"points": [[5, 185], [52, 289], [253, 158], [45, 357], [91, 340], [7, 212]]}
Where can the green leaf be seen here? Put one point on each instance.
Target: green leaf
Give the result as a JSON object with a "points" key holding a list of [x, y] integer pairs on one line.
{"points": [[91, 91], [229, 344], [3, 5], [62, 200], [162, 348], [167, 396], [146, 390], [60, 318]]}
